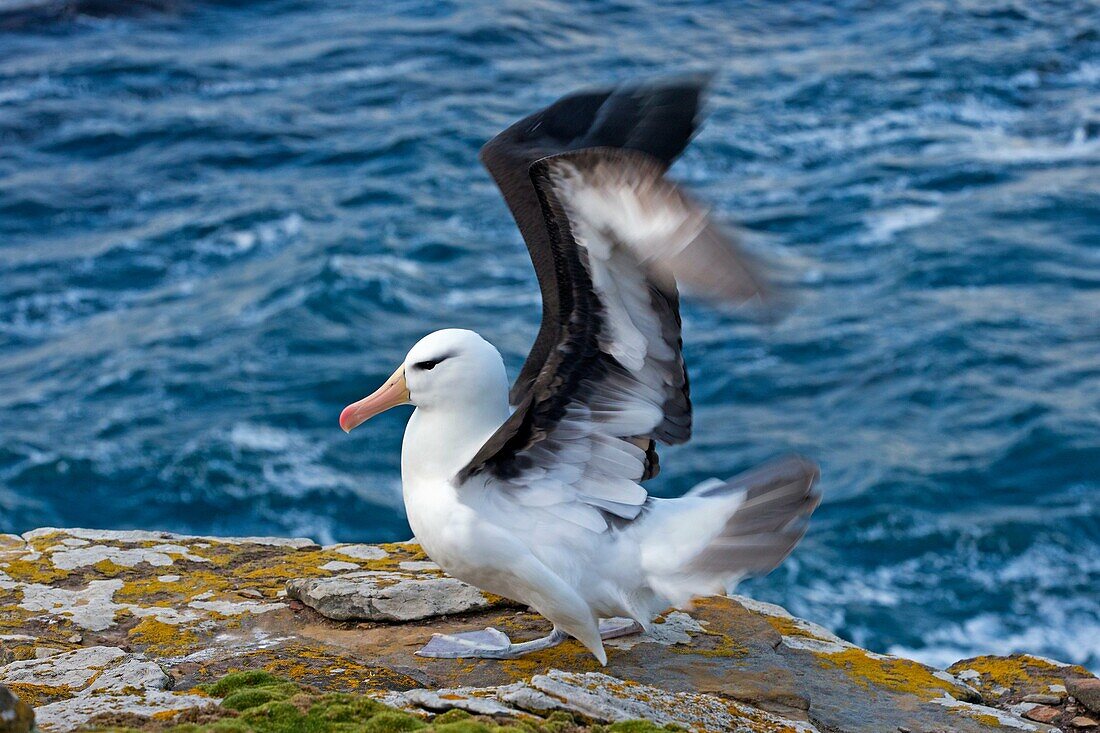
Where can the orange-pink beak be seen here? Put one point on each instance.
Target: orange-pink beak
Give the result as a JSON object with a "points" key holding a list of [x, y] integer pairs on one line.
{"points": [[391, 394]]}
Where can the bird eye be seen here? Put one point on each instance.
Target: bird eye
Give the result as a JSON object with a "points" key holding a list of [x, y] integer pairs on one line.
{"points": [[427, 365]]}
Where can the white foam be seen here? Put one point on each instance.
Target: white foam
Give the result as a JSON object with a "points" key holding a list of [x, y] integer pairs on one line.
{"points": [[259, 437], [883, 225], [1073, 637]]}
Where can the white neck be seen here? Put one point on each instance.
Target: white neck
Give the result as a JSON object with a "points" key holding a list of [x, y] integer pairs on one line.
{"points": [[440, 441]]}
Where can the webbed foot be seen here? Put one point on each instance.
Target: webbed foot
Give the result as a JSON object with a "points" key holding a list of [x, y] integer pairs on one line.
{"points": [[613, 628], [486, 644]]}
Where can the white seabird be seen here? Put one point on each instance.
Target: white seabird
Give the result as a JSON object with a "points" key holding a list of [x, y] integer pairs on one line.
{"points": [[535, 493]]}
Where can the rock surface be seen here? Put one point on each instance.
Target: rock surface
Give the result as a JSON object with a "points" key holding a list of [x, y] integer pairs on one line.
{"points": [[16, 716], [1031, 687], [1087, 692], [96, 622], [606, 699], [379, 595]]}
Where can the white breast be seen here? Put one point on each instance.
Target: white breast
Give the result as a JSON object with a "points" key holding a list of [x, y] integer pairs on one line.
{"points": [[483, 536]]}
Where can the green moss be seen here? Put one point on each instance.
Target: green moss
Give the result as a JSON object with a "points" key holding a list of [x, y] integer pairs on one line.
{"points": [[452, 716], [340, 708], [250, 698], [461, 726], [636, 726], [392, 721], [309, 665], [240, 680], [228, 725], [279, 716], [231, 725]]}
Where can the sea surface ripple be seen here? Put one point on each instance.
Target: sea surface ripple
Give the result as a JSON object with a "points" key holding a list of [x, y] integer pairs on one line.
{"points": [[222, 221]]}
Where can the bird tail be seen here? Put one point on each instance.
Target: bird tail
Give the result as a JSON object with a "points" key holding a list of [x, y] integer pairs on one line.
{"points": [[722, 531]]}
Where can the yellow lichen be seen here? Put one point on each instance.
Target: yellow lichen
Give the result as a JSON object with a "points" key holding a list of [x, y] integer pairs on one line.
{"points": [[707, 643], [29, 571], [494, 600], [150, 591], [569, 655], [788, 626], [37, 695], [323, 667], [17, 650], [46, 541], [985, 719], [410, 551], [1001, 678], [1017, 669], [11, 544], [899, 675], [108, 568], [278, 570], [161, 639]]}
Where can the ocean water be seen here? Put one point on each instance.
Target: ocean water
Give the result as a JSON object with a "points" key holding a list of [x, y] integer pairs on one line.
{"points": [[222, 221]]}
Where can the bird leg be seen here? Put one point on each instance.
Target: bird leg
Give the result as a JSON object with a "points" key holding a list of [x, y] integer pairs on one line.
{"points": [[494, 644]]}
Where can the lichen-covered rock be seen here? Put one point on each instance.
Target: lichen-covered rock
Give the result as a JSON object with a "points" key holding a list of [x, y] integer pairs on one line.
{"points": [[607, 699], [479, 701], [388, 596], [16, 716], [101, 623], [70, 687], [1031, 687], [66, 671], [1008, 680]]}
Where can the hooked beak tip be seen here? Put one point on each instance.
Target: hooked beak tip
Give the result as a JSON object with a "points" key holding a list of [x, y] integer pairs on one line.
{"points": [[345, 419], [394, 392]]}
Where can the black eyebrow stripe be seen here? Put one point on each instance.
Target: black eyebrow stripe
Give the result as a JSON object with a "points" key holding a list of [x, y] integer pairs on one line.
{"points": [[435, 360]]}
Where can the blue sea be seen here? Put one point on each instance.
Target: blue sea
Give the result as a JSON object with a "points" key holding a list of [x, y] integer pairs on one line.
{"points": [[220, 222]]}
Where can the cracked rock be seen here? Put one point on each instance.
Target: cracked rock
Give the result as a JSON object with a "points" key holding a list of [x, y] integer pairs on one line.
{"points": [[607, 699], [387, 596], [68, 670]]}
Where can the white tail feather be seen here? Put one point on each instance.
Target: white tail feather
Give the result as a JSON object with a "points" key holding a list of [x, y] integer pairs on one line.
{"points": [[723, 531]]}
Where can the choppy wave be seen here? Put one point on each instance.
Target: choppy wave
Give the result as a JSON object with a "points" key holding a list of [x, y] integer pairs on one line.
{"points": [[220, 222]]}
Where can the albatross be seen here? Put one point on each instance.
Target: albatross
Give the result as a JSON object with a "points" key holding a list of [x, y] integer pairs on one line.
{"points": [[535, 492]]}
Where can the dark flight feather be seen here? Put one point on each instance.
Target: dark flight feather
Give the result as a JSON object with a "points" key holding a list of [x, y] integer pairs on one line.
{"points": [[609, 237]]}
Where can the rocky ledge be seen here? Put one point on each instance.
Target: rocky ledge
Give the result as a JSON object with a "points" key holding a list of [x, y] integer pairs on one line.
{"points": [[139, 630]]}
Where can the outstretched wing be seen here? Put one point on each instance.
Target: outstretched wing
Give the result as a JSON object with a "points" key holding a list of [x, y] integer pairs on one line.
{"points": [[610, 237]]}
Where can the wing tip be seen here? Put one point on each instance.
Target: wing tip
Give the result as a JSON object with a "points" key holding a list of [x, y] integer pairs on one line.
{"points": [[581, 119]]}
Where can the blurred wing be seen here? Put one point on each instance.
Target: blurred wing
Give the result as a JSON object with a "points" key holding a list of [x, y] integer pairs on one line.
{"points": [[609, 237]]}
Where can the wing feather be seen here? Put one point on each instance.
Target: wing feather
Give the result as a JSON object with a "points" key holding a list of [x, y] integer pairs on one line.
{"points": [[610, 237]]}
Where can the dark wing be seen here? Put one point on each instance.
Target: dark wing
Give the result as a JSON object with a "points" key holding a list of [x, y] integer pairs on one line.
{"points": [[609, 237], [657, 119]]}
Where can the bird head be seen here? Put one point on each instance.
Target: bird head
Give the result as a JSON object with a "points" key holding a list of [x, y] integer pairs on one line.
{"points": [[452, 367]]}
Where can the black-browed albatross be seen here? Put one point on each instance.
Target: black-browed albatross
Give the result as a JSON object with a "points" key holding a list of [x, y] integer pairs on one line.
{"points": [[535, 494]]}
